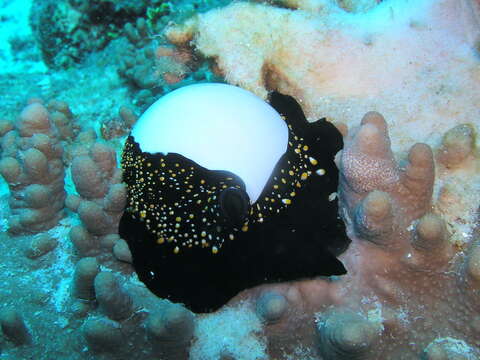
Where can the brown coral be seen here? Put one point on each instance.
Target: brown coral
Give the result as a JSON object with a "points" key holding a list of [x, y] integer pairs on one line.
{"points": [[33, 167], [101, 198], [410, 293], [457, 145], [14, 327], [405, 281]]}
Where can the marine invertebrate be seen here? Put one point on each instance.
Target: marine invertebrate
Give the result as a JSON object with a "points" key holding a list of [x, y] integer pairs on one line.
{"points": [[118, 126], [101, 194], [86, 270], [156, 68], [40, 246], [171, 331], [113, 300], [411, 289], [457, 146], [201, 206], [61, 116], [395, 303], [134, 317], [33, 167], [339, 64], [14, 327], [68, 31], [411, 188]]}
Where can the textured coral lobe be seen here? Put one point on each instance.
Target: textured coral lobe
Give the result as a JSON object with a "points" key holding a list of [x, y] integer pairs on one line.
{"points": [[409, 292], [367, 164]]}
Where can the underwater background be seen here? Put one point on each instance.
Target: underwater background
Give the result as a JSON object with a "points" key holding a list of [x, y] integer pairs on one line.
{"points": [[400, 79]]}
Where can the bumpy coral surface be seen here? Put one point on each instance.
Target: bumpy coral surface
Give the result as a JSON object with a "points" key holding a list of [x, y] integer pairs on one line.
{"points": [[409, 291], [409, 194]]}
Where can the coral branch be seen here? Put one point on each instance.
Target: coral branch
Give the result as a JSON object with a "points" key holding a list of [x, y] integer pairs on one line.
{"points": [[32, 165], [367, 164]]}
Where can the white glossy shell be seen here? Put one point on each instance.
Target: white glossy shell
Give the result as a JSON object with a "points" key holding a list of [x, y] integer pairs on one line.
{"points": [[220, 127]]}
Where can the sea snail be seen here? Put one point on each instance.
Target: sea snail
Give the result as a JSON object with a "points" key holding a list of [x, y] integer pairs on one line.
{"points": [[227, 191]]}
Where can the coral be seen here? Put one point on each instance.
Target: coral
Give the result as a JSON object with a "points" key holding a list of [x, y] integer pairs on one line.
{"points": [[457, 145], [412, 214], [119, 126], [101, 197], [367, 164], [324, 56], [135, 319], [62, 117], [83, 241], [32, 165], [448, 348], [66, 31], [113, 301], [69, 31], [406, 280], [86, 270], [81, 145], [171, 331], [103, 335], [122, 252], [346, 335], [271, 306], [40, 246], [156, 68], [411, 290], [14, 327]]}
